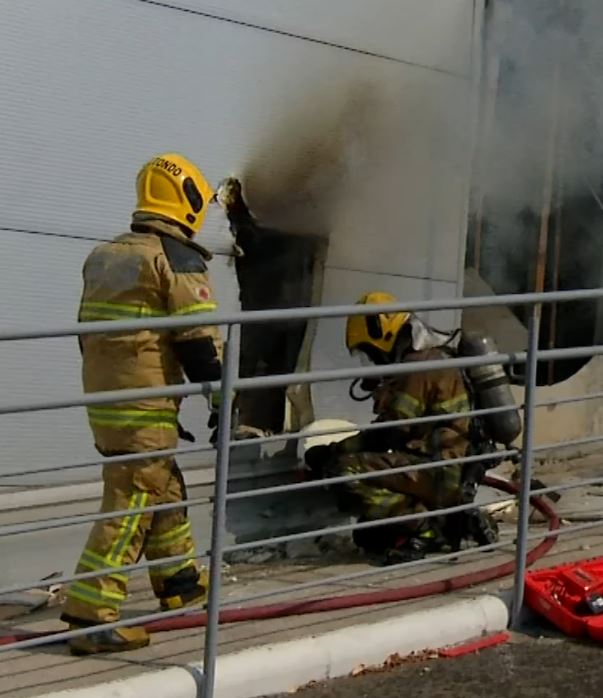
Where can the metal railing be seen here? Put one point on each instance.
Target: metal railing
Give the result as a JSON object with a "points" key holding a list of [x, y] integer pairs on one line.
{"points": [[231, 383]]}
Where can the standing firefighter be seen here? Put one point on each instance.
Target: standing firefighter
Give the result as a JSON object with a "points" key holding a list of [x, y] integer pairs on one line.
{"points": [[385, 339], [153, 271]]}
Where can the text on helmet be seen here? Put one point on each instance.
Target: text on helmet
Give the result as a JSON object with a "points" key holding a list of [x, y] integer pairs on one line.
{"points": [[167, 165]]}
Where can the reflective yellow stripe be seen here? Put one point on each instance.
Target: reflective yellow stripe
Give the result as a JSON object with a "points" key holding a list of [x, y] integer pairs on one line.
{"points": [[353, 468], [94, 310], [92, 561], [165, 571], [128, 418], [97, 310], [408, 406], [428, 535], [103, 422], [175, 535], [98, 597], [196, 308], [134, 414], [460, 403], [128, 528], [381, 502]]}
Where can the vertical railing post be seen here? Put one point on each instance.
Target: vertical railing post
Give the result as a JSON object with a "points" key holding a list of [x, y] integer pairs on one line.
{"points": [[229, 375], [527, 453]]}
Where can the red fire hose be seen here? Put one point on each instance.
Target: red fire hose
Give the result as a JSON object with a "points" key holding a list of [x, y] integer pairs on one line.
{"points": [[335, 603]]}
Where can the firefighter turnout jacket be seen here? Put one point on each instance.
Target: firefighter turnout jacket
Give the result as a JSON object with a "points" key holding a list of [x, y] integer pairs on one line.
{"points": [[153, 271], [425, 393]]}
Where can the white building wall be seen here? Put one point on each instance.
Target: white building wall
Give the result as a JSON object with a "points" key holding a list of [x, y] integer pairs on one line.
{"points": [[353, 114]]}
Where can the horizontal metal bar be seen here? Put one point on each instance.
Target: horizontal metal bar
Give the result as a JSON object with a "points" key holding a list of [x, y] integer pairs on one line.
{"points": [[61, 521], [289, 436], [588, 482], [567, 444], [67, 578], [78, 519], [280, 380], [127, 458], [554, 402], [337, 374], [343, 528], [297, 587], [237, 601], [81, 632], [374, 426], [415, 563], [374, 571], [326, 482], [147, 618], [328, 375], [36, 642], [60, 637], [63, 579], [168, 452], [566, 530], [569, 353], [112, 396], [293, 314]]}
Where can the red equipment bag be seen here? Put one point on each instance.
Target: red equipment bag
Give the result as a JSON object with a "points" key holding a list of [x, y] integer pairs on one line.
{"points": [[570, 596]]}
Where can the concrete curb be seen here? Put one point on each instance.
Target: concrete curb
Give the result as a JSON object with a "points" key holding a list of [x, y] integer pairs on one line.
{"points": [[284, 666]]}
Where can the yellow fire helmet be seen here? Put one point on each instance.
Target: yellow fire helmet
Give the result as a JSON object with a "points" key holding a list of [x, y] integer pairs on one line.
{"points": [[171, 186], [378, 331]]}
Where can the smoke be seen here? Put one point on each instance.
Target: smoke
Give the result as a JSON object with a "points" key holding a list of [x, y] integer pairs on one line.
{"points": [[551, 55], [303, 168], [548, 110]]}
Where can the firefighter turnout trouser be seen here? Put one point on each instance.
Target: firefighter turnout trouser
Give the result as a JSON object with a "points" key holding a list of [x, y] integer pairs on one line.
{"points": [[126, 538], [397, 494]]}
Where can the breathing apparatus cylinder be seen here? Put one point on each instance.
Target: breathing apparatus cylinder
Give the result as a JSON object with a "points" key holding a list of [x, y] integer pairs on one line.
{"points": [[491, 388]]}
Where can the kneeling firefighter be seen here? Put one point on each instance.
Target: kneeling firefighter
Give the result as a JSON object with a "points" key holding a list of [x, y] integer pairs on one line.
{"points": [[154, 270], [402, 337]]}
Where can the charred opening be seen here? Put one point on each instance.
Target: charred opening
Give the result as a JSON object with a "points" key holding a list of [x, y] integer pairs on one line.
{"points": [[275, 269]]}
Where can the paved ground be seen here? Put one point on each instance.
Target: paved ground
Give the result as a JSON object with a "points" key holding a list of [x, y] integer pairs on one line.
{"points": [[545, 668]]}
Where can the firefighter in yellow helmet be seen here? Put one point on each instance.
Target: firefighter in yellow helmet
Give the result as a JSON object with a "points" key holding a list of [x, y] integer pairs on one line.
{"points": [[155, 270], [385, 339]]}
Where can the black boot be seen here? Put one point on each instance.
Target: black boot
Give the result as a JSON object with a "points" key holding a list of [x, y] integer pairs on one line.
{"points": [[416, 547], [188, 587], [482, 527]]}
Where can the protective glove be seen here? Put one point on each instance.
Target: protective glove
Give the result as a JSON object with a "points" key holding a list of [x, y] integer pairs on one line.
{"points": [[185, 435], [228, 192]]}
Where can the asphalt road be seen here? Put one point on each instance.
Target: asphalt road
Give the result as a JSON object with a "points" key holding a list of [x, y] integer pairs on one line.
{"points": [[543, 668]]}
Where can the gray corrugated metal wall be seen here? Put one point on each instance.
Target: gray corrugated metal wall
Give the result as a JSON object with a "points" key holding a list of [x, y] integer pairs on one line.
{"points": [[369, 134]]}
